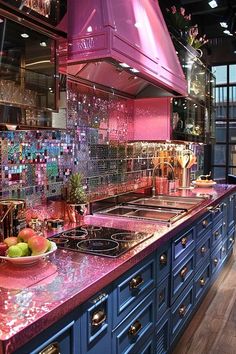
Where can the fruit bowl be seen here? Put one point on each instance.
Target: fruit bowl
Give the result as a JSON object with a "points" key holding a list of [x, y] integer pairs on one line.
{"points": [[27, 260], [204, 183]]}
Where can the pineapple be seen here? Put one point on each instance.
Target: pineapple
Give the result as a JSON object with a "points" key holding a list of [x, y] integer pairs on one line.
{"points": [[77, 194]]}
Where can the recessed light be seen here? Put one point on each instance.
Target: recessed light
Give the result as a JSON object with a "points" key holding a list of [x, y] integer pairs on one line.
{"points": [[24, 35], [224, 24], [134, 70], [43, 44], [124, 65], [228, 32], [213, 4]]}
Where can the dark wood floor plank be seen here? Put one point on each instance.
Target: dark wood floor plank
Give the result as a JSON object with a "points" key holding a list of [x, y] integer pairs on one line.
{"points": [[212, 329]]}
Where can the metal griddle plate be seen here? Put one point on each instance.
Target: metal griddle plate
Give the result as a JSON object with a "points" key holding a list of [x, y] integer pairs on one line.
{"points": [[163, 201], [158, 214]]}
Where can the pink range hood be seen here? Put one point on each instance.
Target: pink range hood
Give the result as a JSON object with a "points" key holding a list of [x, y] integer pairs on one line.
{"points": [[123, 45]]}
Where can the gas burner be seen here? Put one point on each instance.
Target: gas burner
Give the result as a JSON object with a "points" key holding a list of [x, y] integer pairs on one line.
{"points": [[98, 245], [128, 236], [101, 241]]}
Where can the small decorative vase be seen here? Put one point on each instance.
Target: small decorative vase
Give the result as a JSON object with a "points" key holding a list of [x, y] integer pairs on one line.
{"points": [[76, 212]]}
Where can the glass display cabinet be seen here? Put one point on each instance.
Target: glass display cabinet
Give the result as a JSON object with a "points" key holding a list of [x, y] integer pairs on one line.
{"points": [[29, 79], [192, 117]]}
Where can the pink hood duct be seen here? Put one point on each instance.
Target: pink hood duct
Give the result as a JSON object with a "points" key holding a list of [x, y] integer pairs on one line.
{"points": [[125, 46]]}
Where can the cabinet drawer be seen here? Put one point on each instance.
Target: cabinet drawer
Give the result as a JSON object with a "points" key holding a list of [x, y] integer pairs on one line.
{"points": [[201, 281], [216, 259], [133, 287], [59, 338], [217, 234], [181, 276], [203, 225], [162, 296], [132, 333], [231, 239], [162, 334], [182, 246], [163, 261], [147, 348], [96, 328], [181, 310], [203, 250]]}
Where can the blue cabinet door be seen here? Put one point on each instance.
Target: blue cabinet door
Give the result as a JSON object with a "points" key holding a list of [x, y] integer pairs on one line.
{"points": [[61, 338], [96, 323]]}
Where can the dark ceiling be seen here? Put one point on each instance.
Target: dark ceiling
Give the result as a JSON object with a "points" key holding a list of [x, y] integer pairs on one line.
{"points": [[208, 20]]}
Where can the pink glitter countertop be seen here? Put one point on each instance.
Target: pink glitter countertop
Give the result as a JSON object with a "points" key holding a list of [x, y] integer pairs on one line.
{"points": [[34, 297]]}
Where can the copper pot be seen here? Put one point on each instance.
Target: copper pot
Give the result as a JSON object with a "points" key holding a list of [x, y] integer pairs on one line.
{"points": [[76, 212], [12, 217]]}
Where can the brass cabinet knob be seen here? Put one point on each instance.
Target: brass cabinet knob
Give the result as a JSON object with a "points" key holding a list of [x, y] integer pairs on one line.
{"points": [[183, 272], [98, 318], [136, 282], [182, 310], [215, 261], [203, 249], [224, 204], [205, 223], [202, 281], [223, 249], [224, 223], [184, 241], [216, 234], [135, 328], [231, 240], [161, 296], [52, 348], [163, 259]]}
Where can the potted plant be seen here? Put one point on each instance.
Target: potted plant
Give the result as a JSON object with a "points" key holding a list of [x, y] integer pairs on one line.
{"points": [[77, 198]]}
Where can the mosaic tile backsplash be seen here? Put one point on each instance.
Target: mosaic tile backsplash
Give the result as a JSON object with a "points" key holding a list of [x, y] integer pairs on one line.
{"points": [[35, 165]]}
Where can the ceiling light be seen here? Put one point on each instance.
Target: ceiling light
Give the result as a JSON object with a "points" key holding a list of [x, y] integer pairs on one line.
{"points": [[134, 70], [43, 44], [124, 65], [213, 4], [228, 32], [24, 35], [224, 24]]}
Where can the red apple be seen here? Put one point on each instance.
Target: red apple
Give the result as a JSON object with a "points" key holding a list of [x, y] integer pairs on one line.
{"points": [[38, 245], [10, 241], [3, 248], [25, 234]]}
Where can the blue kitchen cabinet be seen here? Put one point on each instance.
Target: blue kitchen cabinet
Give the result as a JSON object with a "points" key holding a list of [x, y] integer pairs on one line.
{"points": [[231, 211], [96, 324], [61, 338]]}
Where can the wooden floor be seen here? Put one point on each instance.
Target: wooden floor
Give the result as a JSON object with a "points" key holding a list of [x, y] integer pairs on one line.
{"points": [[212, 330]]}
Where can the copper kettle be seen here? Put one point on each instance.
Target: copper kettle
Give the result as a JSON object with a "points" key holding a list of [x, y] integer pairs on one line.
{"points": [[12, 217]]}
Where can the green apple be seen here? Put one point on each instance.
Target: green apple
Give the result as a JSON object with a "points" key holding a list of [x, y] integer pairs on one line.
{"points": [[14, 251], [24, 248]]}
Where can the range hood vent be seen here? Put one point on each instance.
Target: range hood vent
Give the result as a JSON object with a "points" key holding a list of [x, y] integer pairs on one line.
{"points": [[125, 46]]}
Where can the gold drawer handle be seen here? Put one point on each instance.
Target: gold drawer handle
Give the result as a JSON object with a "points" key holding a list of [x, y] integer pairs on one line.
{"points": [[205, 223], [136, 282], [203, 249], [184, 241], [216, 234], [215, 261], [202, 281], [98, 318], [183, 272], [52, 348], [135, 328], [163, 259], [182, 310]]}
